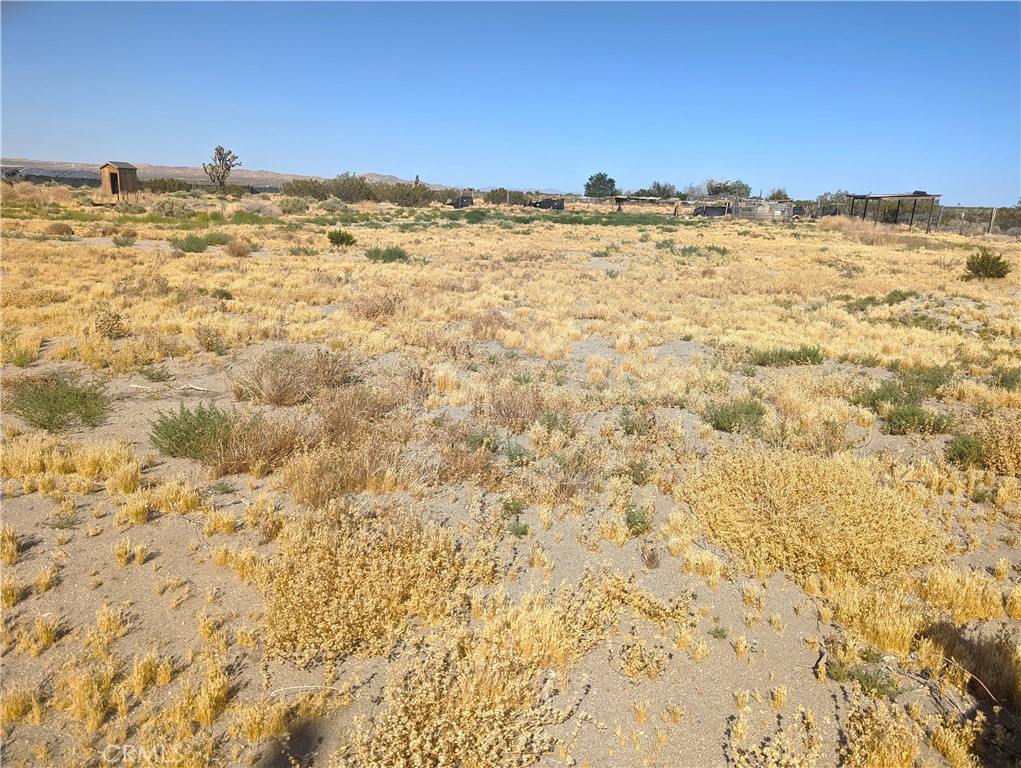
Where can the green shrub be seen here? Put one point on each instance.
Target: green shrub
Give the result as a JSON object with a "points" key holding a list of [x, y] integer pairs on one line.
{"points": [[984, 264], [803, 355], [516, 454], [57, 402], [197, 434], [221, 293], [190, 244], [124, 242], [638, 521], [736, 416], [155, 373], [910, 418], [967, 451], [388, 255], [341, 237], [1007, 378], [926, 380], [217, 238], [163, 186], [518, 528], [20, 358]]}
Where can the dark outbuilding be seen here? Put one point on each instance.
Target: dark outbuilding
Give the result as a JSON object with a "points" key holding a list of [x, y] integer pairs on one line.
{"points": [[462, 202], [549, 204]]}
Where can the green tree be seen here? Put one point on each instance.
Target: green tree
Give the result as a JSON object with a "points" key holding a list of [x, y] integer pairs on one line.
{"points": [[778, 194], [600, 185], [719, 187], [219, 169], [658, 189], [833, 198]]}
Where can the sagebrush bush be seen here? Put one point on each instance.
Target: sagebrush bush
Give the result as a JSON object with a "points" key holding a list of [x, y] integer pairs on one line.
{"points": [[57, 402], [736, 416], [192, 434], [388, 255], [340, 237], [910, 418], [172, 208], [293, 205], [191, 244], [966, 451], [986, 265], [811, 515]]}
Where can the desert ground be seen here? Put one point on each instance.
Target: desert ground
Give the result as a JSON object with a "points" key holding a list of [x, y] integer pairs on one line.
{"points": [[357, 485]]}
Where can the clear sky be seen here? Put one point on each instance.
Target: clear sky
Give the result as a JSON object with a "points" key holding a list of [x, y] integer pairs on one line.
{"points": [[869, 97]]}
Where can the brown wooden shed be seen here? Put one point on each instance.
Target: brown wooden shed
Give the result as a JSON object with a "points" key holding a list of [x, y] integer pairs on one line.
{"points": [[119, 178]]}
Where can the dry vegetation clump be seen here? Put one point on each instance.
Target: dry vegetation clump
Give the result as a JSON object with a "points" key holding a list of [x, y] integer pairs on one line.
{"points": [[1001, 436], [965, 596], [985, 664], [881, 735], [811, 515], [290, 376], [346, 582], [347, 416], [516, 406], [472, 704]]}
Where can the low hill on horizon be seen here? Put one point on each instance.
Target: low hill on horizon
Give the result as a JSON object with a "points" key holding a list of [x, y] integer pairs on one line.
{"points": [[240, 175]]}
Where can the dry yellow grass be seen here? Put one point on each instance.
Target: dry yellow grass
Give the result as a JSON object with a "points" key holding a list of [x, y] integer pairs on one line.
{"points": [[778, 509]]}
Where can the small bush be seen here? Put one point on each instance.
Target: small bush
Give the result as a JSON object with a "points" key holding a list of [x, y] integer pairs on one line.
{"points": [[387, 255], [198, 434], [172, 208], [986, 265], [237, 249], [155, 373], [909, 418], [736, 416], [638, 521], [217, 238], [56, 403], [341, 237], [289, 376], [59, 228], [804, 355], [1007, 378], [210, 339], [333, 205], [191, 244], [221, 293], [124, 241], [293, 205], [967, 451]]}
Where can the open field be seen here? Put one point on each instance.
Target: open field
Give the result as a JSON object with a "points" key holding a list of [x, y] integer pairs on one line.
{"points": [[498, 487]]}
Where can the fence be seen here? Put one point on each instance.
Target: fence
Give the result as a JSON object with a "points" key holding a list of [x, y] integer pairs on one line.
{"points": [[971, 220]]}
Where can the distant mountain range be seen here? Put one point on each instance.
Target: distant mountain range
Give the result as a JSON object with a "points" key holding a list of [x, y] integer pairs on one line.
{"points": [[238, 175]]}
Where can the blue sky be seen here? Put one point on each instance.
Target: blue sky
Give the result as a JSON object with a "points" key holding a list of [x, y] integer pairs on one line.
{"points": [[870, 97]]}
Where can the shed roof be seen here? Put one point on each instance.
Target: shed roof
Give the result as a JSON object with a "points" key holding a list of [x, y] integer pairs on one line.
{"points": [[120, 166]]}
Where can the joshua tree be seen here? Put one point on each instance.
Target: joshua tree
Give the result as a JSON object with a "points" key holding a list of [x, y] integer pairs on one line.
{"points": [[219, 169]]}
